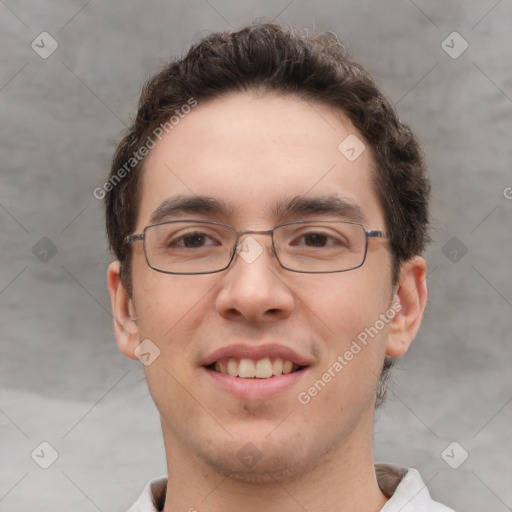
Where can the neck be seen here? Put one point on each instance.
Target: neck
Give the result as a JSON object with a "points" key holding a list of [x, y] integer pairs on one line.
{"points": [[343, 481]]}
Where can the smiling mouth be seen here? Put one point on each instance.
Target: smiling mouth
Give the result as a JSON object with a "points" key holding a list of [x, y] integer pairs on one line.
{"points": [[264, 368]]}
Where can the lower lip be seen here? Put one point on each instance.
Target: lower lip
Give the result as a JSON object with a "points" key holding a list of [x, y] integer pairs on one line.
{"points": [[255, 389]]}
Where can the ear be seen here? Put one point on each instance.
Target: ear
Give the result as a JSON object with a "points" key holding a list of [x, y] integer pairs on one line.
{"points": [[125, 322], [410, 299]]}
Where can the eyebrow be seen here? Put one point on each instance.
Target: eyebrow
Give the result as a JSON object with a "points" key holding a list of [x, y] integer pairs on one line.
{"points": [[331, 204], [189, 204], [298, 205]]}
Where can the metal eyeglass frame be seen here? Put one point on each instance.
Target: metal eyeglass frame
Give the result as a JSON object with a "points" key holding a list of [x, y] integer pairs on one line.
{"points": [[141, 236]]}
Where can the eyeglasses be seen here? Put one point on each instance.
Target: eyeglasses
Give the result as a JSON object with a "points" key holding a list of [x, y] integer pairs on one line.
{"points": [[205, 247]]}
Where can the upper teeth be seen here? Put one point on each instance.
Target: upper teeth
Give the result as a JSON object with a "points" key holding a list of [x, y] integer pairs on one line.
{"points": [[248, 368]]}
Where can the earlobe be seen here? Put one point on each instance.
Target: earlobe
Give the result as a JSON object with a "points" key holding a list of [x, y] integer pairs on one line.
{"points": [[411, 294], [125, 318]]}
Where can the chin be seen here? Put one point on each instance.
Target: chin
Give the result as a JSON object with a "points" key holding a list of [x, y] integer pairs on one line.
{"points": [[261, 461], [268, 469]]}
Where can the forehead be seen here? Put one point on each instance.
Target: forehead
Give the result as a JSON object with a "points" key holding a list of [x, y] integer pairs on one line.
{"points": [[256, 152]]}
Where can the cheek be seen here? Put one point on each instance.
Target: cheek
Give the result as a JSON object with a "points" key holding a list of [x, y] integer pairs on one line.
{"points": [[344, 304], [352, 336], [172, 309]]}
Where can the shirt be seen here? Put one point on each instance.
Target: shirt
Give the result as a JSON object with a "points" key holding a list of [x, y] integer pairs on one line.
{"points": [[404, 487]]}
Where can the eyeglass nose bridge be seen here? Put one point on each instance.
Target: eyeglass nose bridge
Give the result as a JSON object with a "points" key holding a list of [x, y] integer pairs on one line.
{"points": [[239, 246], [253, 232]]}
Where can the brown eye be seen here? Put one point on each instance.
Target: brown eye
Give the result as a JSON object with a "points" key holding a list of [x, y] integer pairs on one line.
{"points": [[190, 240], [194, 240], [315, 240]]}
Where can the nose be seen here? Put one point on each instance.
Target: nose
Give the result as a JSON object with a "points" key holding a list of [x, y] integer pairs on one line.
{"points": [[254, 287]]}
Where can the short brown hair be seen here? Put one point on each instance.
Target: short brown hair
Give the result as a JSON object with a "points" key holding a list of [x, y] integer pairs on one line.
{"points": [[269, 57]]}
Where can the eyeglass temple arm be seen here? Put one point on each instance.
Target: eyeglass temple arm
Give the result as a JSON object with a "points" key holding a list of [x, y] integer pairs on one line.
{"points": [[132, 238]]}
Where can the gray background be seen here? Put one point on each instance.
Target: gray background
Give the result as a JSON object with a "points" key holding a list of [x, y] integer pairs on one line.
{"points": [[62, 380]]}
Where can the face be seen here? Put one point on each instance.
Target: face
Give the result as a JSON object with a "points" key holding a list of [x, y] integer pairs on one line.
{"points": [[256, 156]]}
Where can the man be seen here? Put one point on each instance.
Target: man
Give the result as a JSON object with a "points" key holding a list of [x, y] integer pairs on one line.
{"points": [[268, 212]]}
